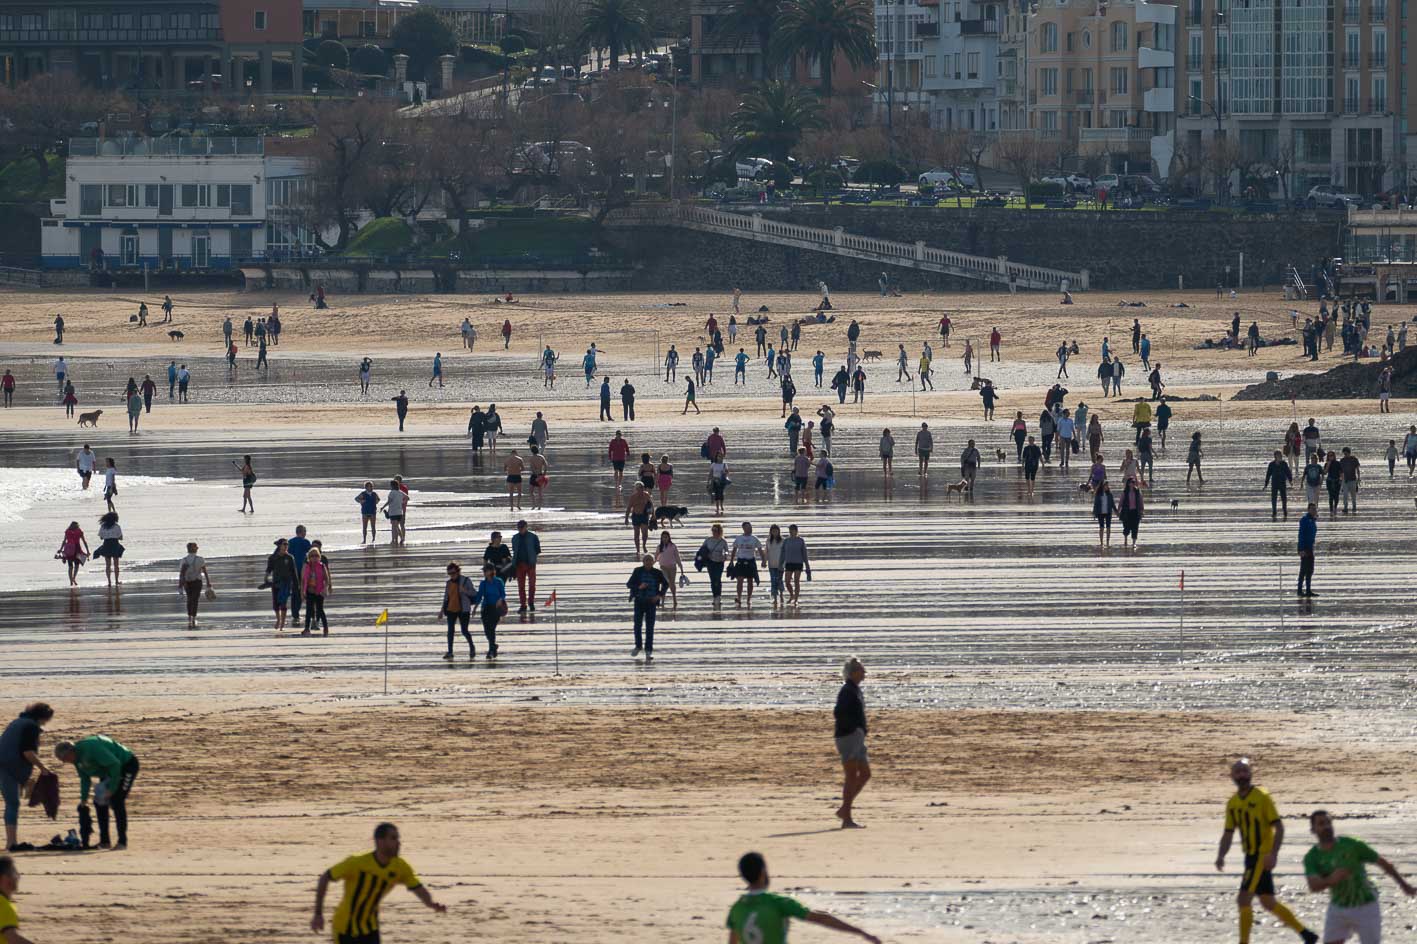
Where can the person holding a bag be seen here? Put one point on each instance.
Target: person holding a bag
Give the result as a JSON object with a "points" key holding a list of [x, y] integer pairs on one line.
{"points": [[316, 583], [457, 608], [491, 596], [718, 481], [74, 551], [499, 555], [191, 576], [710, 556]]}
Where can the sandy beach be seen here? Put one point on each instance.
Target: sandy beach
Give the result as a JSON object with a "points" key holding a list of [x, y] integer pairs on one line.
{"points": [[1051, 720]]}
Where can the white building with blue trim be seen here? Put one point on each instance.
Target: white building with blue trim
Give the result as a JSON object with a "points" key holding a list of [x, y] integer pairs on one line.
{"points": [[174, 204]]}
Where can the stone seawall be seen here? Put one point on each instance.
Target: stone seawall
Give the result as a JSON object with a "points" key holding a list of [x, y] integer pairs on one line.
{"points": [[1120, 249]]}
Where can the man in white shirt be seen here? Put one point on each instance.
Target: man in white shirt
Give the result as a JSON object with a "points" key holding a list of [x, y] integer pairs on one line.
{"points": [[61, 370], [1066, 429], [747, 549], [87, 461], [110, 483], [395, 506]]}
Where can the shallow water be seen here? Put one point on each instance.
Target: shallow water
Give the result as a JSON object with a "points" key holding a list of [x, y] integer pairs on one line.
{"points": [[998, 600]]}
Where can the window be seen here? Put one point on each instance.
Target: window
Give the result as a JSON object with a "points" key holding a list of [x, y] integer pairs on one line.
{"points": [[90, 200], [1119, 80], [929, 67], [1050, 121], [31, 21], [151, 21], [1350, 94], [123, 21], [63, 19], [209, 21], [973, 65], [1165, 39], [260, 20], [1116, 118], [1068, 42], [1377, 58], [196, 195], [1379, 99], [1067, 80], [1193, 53], [1049, 78], [1119, 37], [223, 195], [121, 195], [240, 199], [179, 20], [1048, 38], [93, 21], [1195, 97], [150, 195], [241, 244]]}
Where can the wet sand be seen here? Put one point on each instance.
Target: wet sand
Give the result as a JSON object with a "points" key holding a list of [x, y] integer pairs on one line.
{"points": [[1042, 689]]}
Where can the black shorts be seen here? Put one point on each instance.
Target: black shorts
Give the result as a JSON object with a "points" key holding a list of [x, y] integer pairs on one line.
{"points": [[801, 482], [1259, 883], [619, 464], [1030, 472], [791, 568], [640, 519], [371, 938], [514, 480]]}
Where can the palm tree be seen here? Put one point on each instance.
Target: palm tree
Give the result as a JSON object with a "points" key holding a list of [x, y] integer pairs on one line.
{"points": [[618, 25], [770, 119], [819, 29], [751, 19]]}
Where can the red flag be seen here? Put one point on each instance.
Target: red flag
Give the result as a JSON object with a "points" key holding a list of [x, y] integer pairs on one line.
{"points": [[551, 600]]}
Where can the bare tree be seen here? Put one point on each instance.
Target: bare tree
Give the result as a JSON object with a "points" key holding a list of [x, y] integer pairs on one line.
{"points": [[347, 142], [1222, 156], [465, 157], [43, 113], [1022, 154]]}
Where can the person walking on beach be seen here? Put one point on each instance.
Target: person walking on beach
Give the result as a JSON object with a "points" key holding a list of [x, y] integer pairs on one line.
{"points": [[506, 334], [1276, 478], [135, 410], [1349, 466], [248, 480], [282, 576], [540, 432], [1062, 359], [548, 367], [850, 733], [115, 767], [711, 556], [316, 583], [514, 467], [1104, 505], [995, 339], [718, 481], [619, 452], [747, 550], [627, 401], [1252, 811], [111, 550], [689, 399], [1409, 449], [191, 577], [1193, 459], [924, 444], [458, 595], [396, 510], [437, 369], [760, 917], [526, 550], [73, 551], [671, 365], [58, 329], [664, 479], [184, 377], [299, 547], [1031, 457], [7, 386], [70, 401], [794, 562], [670, 563], [538, 468], [401, 407], [493, 426], [646, 586], [148, 389], [969, 461], [638, 510], [968, 356], [368, 514], [367, 879], [605, 415], [887, 453], [1336, 863], [19, 756], [1333, 481], [1130, 510], [86, 461], [110, 482], [226, 332]]}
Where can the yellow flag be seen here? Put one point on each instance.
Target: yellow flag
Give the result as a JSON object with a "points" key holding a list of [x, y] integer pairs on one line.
{"points": [[383, 618]]}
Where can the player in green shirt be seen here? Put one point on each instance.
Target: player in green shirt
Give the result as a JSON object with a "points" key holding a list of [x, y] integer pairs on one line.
{"points": [[1336, 863], [115, 768], [760, 917]]}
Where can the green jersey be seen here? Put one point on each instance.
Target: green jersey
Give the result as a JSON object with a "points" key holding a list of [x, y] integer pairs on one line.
{"points": [[1347, 853], [102, 757], [761, 917]]}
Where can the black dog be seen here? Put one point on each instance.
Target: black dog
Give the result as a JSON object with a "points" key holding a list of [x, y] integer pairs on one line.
{"points": [[176, 335], [1175, 503], [669, 513]]}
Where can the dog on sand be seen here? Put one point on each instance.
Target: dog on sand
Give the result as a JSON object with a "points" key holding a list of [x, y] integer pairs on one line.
{"points": [[90, 419], [670, 514], [176, 335], [871, 356]]}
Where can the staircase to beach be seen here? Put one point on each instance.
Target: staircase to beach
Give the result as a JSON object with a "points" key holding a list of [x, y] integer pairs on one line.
{"points": [[916, 255]]}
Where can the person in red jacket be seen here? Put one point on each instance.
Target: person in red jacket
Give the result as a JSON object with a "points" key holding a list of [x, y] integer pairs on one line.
{"points": [[619, 451], [506, 334], [994, 339]]}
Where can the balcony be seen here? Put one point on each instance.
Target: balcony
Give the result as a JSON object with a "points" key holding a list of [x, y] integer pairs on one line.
{"points": [[978, 27], [1133, 140], [1350, 60], [74, 37], [166, 147], [1378, 106], [1159, 100], [1148, 58], [1377, 60], [1350, 106], [1082, 97], [1377, 12], [927, 30]]}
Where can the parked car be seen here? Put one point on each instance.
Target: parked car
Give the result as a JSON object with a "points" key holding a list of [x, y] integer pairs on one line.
{"points": [[1079, 182], [1057, 180], [1331, 195], [946, 178], [750, 168]]}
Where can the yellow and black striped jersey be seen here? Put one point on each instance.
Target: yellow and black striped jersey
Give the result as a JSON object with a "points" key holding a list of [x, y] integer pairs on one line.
{"points": [[1254, 815], [366, 882]]}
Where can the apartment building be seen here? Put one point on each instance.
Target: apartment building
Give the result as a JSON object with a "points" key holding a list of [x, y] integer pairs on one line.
{"points": [[162, 46], [719, 59], [1102, 74], [373, 21], [177, 204], [904, 30], [1307, 92], [962, 65]]}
